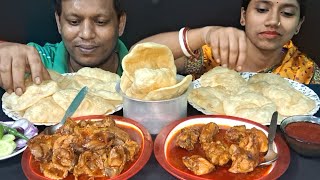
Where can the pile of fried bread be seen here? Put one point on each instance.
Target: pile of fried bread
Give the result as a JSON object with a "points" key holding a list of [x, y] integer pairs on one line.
{"points": [[149, 74], [225, 91], [46, 103]]}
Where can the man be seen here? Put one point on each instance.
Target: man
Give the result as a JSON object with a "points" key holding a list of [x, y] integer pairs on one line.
{"points": [[89, 32]]}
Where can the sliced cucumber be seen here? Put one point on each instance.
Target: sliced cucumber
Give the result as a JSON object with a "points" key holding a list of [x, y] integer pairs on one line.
{"points": [[6, 147], [8, 137]]}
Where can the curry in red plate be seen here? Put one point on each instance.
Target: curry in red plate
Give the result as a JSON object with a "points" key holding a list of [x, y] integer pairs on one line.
{"points": [[33, 168], [170, 156]]}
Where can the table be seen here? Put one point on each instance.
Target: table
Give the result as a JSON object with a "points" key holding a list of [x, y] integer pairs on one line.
{"points": [[300, 168]]}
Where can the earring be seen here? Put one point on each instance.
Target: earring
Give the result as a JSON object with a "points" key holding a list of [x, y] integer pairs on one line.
{"points": [[297, 31]]}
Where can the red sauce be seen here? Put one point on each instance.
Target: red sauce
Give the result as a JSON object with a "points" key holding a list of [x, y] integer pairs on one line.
{"points": [[304, 131], [175, 154]]}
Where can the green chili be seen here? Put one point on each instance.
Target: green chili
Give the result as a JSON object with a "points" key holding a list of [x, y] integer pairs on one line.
{"points": [[14, 132]]}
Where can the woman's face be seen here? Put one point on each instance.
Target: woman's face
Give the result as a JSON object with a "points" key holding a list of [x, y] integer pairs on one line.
{"points": [[269, 24], [90, 30]]}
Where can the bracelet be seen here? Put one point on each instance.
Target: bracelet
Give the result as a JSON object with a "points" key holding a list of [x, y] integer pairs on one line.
{"points": [[194, 65], [182, 42], [195, 53]]}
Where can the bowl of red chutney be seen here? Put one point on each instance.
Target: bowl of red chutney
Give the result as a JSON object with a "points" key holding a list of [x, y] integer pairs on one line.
{"points": [[302, 133]]}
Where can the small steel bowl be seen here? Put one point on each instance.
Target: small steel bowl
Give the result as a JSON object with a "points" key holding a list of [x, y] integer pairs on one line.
{"points": [[303, 140]]}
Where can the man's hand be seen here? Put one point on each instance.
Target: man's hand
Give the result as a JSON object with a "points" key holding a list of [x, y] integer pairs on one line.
{"points": [[228, 45], [15, 61]]}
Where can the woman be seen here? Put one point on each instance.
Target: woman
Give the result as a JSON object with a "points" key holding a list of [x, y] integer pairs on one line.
{"points": [[264, 46], [90, 33]]}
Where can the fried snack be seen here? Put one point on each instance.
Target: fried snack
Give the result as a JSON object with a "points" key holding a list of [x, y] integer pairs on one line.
{"points": [[31, 96], [225, 77], [148, 55], [90, 105], [125, 83], [270, 78], [45, 111], [170, 92], [250, 105], [147, 80], [209, 98], [98, 73], [289, 102]]}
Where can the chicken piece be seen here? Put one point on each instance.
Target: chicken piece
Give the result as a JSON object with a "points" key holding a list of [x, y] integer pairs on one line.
{"points": [[187, 138], [64, 157], [119, 133], [132, 148], [64, 141], [89, 163], [99, 139], [41, 147], [68, 127], [261, 139], [106, 122], [216, 152], [197, 164], [115, 161], [208, 131], [235, 133], [53, 171], [242, 161]]}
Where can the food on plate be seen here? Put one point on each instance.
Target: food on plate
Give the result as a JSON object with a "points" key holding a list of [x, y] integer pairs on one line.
{"points": [[31, 96], [46, 103], [46, 110], [224, 91], [15, 136], [84, 149], [249, 105], [210, 97], [205, 148], [150, 73], [90, 104], [220, 76]]}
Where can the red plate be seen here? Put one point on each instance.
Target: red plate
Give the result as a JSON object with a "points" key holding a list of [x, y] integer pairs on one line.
{"points": [[136, 131], [163, 140]]}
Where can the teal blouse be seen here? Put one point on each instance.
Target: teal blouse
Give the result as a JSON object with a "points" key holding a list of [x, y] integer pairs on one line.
{"points": [[55, 56]]}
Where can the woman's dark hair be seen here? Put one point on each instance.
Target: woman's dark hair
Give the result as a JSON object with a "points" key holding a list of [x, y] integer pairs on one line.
{"points": [[116, 3], [302, 4]]}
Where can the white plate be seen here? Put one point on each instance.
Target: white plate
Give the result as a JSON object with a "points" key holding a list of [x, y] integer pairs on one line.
{"points": [[246, 75], [17, 116], [16, 151]]}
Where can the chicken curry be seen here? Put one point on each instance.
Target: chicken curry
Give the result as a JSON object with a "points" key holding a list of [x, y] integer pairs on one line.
{"points": [[217, 152], [83, 150]]}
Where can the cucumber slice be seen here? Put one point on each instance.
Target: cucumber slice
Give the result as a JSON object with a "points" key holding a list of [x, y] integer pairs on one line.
{"points": [[8, 137], [6, 148]]}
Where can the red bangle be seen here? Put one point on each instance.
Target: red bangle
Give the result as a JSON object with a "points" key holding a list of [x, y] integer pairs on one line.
{"points": [[195, 54]]}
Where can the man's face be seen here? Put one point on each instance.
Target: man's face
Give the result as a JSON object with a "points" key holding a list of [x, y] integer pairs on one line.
{"points": [[89, 29], [270, 24]]}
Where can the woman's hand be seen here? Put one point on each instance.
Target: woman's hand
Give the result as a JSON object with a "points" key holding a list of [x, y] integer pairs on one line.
{"points": [[16, 60], [228, 46]]}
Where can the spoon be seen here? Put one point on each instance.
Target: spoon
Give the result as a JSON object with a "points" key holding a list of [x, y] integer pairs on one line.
{"points": [[69, 112], [271, 156]]}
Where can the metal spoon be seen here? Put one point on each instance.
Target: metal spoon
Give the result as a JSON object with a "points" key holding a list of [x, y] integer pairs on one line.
{"points": [[69, 112], [271, 156]]}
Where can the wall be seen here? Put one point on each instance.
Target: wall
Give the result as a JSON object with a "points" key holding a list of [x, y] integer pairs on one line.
{"points": [[33, 20]]}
